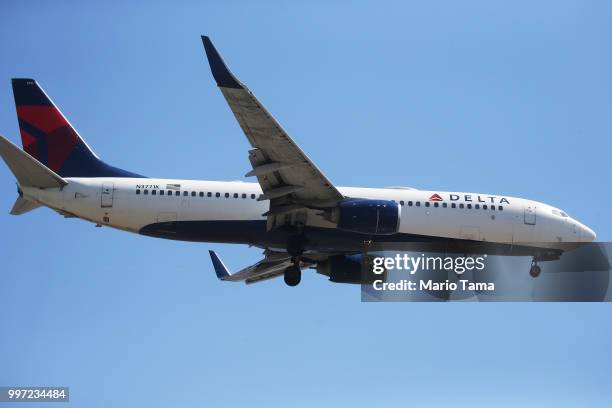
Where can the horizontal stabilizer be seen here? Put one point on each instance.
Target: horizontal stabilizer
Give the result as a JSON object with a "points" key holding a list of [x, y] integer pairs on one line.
{"points": [[23, 206], [28, 171]]}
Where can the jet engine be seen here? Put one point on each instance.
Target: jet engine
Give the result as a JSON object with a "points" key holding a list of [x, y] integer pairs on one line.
{"points": [[364, 216], [349, 269]]}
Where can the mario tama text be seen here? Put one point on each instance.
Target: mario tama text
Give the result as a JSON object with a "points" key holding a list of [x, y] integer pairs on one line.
{"points": [[409, 265]]}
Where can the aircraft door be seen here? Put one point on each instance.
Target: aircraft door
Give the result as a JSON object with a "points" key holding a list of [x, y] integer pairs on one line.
{"points": [[530, 214], [107, 195]]}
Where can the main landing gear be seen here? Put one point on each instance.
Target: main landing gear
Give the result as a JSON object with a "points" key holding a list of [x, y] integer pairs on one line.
{"points": [[295, 248], [535, 269]]}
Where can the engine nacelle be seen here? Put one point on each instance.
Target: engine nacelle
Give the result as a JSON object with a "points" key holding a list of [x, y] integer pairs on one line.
{"points": [[375, 217], [350, 269]]}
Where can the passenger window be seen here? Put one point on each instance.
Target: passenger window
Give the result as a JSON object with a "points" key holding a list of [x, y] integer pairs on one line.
{"points": [[418, 203], [402, 202], [201, 194], [444, 205], [217, 194], [153, 192], [193, 193], [185, 193], [235, 195], [484, 206], [477, 206], [436, 205], [469, 206], [461, 205], [243, 195], [409, 203], [500, 208], [426, 203], [209, 194], [177, 193], [226, 195], [137, 191], [252, 196], [493, 207], [453, 205]]}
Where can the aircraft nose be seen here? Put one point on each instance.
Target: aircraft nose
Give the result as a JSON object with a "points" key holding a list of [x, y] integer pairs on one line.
{"points": [[586, 234]]}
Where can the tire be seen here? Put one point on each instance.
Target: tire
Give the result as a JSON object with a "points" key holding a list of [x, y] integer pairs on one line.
{"points": [[535, 271], [292, 276]]}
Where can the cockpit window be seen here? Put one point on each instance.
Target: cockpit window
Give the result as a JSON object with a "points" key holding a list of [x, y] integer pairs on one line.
{"points": [[560, 213]]}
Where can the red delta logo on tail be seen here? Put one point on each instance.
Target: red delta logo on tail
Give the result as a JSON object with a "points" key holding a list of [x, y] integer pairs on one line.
{"points": [[50, 138], [435, 197], [46, 135]]}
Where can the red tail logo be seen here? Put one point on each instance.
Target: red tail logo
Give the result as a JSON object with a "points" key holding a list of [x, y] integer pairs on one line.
{"points": [[435, 197]]}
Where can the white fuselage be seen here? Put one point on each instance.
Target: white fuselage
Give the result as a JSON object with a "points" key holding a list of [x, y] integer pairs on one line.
{"points": [[133, 203]]}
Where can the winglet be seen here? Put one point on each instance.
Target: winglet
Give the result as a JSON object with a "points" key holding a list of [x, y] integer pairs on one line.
{"points": [[221, 73], [220, 269]]}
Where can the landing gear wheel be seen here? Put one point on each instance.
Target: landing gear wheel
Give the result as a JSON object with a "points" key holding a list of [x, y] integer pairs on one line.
{"points": [[535, 270], [293, 275]]}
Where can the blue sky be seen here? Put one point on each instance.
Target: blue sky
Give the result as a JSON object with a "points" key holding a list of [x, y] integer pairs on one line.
{"points": [[510, 98]]}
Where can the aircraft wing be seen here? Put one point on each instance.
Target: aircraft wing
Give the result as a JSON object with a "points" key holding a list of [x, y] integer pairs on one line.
{"points": [[272, 266], [288, 178]]}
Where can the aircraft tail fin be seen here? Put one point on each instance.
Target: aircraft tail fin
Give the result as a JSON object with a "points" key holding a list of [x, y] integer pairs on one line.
{"points": [[23, 206], [27, 170], [47, 136]]}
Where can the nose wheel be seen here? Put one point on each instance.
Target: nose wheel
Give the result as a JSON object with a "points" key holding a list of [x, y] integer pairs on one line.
{"points": [[535, 269]]}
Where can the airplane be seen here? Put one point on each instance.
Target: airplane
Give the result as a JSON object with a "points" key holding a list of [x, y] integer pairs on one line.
{"points": [[294, 212]]}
